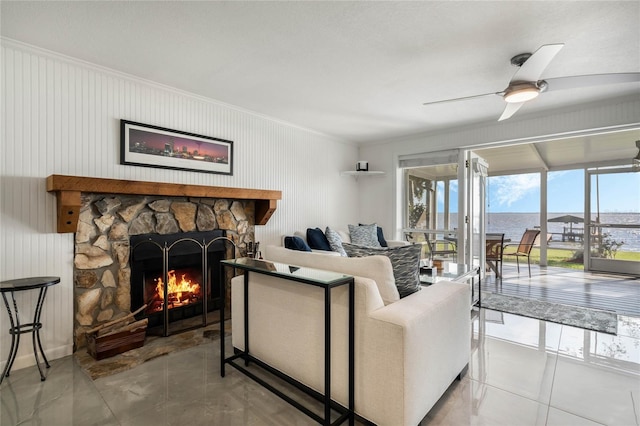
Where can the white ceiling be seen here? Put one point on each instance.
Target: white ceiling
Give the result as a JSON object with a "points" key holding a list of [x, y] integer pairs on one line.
{"points": [[601, 150], [586, 151], [358, 71]]}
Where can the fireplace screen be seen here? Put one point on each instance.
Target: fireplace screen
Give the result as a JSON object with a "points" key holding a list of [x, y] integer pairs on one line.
{"points": [[177, 277]]}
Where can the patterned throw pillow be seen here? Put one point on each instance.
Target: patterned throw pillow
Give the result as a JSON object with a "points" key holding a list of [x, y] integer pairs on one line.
{"points": [[405, 261], [381, 239], [335, 241], [364, 235]]}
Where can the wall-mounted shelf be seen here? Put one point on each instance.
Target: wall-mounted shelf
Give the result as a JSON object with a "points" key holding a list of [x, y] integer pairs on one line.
{"points": [[357, 174]]}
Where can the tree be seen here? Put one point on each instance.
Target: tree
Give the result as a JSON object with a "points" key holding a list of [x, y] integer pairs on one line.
{"points": [[609, 247], [417, 202]]}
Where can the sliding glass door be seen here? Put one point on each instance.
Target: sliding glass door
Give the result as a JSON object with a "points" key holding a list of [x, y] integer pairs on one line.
{"points": [[612, 222]]}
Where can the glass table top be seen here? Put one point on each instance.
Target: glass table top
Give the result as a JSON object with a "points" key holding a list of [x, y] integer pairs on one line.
{"points": [[450, 271], [296, 273]]}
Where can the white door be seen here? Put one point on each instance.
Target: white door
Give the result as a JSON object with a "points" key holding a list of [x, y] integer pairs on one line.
{"points": [[608, 229], [473, 175]]}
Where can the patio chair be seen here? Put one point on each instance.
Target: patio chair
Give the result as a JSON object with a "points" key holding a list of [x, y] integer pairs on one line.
{"points": [[435, 247], [493, 255], [441, 248], [524, 247]]}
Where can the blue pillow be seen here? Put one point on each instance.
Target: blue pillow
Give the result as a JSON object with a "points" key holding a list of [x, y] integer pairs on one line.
{"points": [[296, 243], [381, 240], [317, 240]]}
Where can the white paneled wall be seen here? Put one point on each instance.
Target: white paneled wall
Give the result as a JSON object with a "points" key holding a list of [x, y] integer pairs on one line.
{"points": [[62, 116]]}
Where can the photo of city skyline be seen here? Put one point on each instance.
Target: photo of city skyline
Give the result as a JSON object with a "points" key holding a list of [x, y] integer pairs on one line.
{"points": [[150, 146], [174, 146]]}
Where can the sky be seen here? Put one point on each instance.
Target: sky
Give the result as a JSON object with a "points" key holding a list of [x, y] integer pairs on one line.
{"points": [[565, 191]]}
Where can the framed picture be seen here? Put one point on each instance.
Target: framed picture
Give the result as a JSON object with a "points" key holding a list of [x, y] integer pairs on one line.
{"points": [[152, 146]]}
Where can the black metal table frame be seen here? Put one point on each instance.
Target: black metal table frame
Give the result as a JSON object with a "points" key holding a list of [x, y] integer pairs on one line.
{"points": [[346, 412], [34, 327]]}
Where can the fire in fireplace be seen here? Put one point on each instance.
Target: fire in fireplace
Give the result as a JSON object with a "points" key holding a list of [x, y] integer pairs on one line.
{"points": [[183, 288], [178, 277]]}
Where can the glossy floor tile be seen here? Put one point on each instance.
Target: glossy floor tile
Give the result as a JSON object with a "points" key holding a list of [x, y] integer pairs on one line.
{"points": [[522, 372]]}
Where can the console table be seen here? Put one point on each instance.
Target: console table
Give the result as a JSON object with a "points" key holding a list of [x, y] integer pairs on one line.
{"points": [[326, 280], [23, 284]]}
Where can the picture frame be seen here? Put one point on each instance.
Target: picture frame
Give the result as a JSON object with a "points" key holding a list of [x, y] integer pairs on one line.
{"points": [[152, 146]]}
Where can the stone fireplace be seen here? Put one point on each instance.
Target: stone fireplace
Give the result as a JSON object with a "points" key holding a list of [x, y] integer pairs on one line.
{"points": [[105, 214]]}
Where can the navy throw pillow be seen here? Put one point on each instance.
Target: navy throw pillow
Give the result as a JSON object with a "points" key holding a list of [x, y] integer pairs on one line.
{"points": [[296, 243], [381, 240], [317, 240]]}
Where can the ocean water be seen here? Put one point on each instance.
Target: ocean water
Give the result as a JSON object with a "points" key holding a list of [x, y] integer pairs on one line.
{"points": [[514, 224]]}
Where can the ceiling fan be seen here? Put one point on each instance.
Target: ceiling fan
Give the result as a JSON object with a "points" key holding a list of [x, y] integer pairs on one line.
{"points": [[526, 84]]}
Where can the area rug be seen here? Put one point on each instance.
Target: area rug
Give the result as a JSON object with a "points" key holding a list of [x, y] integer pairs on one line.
{"points": [[575, 316]]}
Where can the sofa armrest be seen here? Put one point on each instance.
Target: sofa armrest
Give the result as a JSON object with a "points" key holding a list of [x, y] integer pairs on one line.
{"points": [[436, 342]]}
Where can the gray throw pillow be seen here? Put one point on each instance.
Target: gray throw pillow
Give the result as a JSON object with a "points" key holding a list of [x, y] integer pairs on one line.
{"points": [[364, 235], [405, 261], [335, 241]]}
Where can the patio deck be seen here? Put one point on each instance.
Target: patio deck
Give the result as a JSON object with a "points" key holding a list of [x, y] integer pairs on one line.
{"points": [[619, 293]]}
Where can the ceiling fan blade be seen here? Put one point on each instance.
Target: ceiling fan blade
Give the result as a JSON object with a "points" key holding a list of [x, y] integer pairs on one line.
{"points": [[533, 67], [577, 81], [462, 99], [510, 109]]}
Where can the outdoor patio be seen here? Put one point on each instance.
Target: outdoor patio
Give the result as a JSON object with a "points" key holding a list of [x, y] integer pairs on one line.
{"points": [[618, 293]]}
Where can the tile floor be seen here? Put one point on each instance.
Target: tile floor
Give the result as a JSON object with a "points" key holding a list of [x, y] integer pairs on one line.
{"points": [[522, 372]]}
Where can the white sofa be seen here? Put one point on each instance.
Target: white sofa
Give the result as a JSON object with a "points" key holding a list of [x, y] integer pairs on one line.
{"points": [[407, 351]]}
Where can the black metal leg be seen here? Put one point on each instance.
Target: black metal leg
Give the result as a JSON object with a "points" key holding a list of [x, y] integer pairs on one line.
{"points": [[352, 339], [16, 332], [223, 301], [327, 356], [37, 325], [246, 317], [15, 337]]}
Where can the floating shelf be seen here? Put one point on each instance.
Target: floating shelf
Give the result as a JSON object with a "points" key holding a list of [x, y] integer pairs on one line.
{"points": [[356, 174]]}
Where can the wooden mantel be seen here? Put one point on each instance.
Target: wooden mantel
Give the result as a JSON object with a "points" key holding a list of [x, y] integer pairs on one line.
{"points": [[69, 188]]}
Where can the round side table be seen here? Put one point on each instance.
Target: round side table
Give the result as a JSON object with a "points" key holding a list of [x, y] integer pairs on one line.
{"points": [[23, 284]]}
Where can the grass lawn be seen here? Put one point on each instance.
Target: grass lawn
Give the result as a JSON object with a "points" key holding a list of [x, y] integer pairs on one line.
{"points": [[562, 257]]}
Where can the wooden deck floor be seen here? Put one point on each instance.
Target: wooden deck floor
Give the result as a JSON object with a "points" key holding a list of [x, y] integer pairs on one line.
{"points": [[591, 290]]}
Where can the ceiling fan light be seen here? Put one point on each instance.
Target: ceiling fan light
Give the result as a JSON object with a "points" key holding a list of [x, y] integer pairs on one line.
{"points": [[521, 93]]}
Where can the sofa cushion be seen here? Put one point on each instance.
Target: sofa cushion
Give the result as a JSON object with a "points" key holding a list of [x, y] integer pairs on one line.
{"points": [[377, 268], [364, 235], [405, 261], [381, 239], [317, 240], [335, 241], [296, 243]]}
